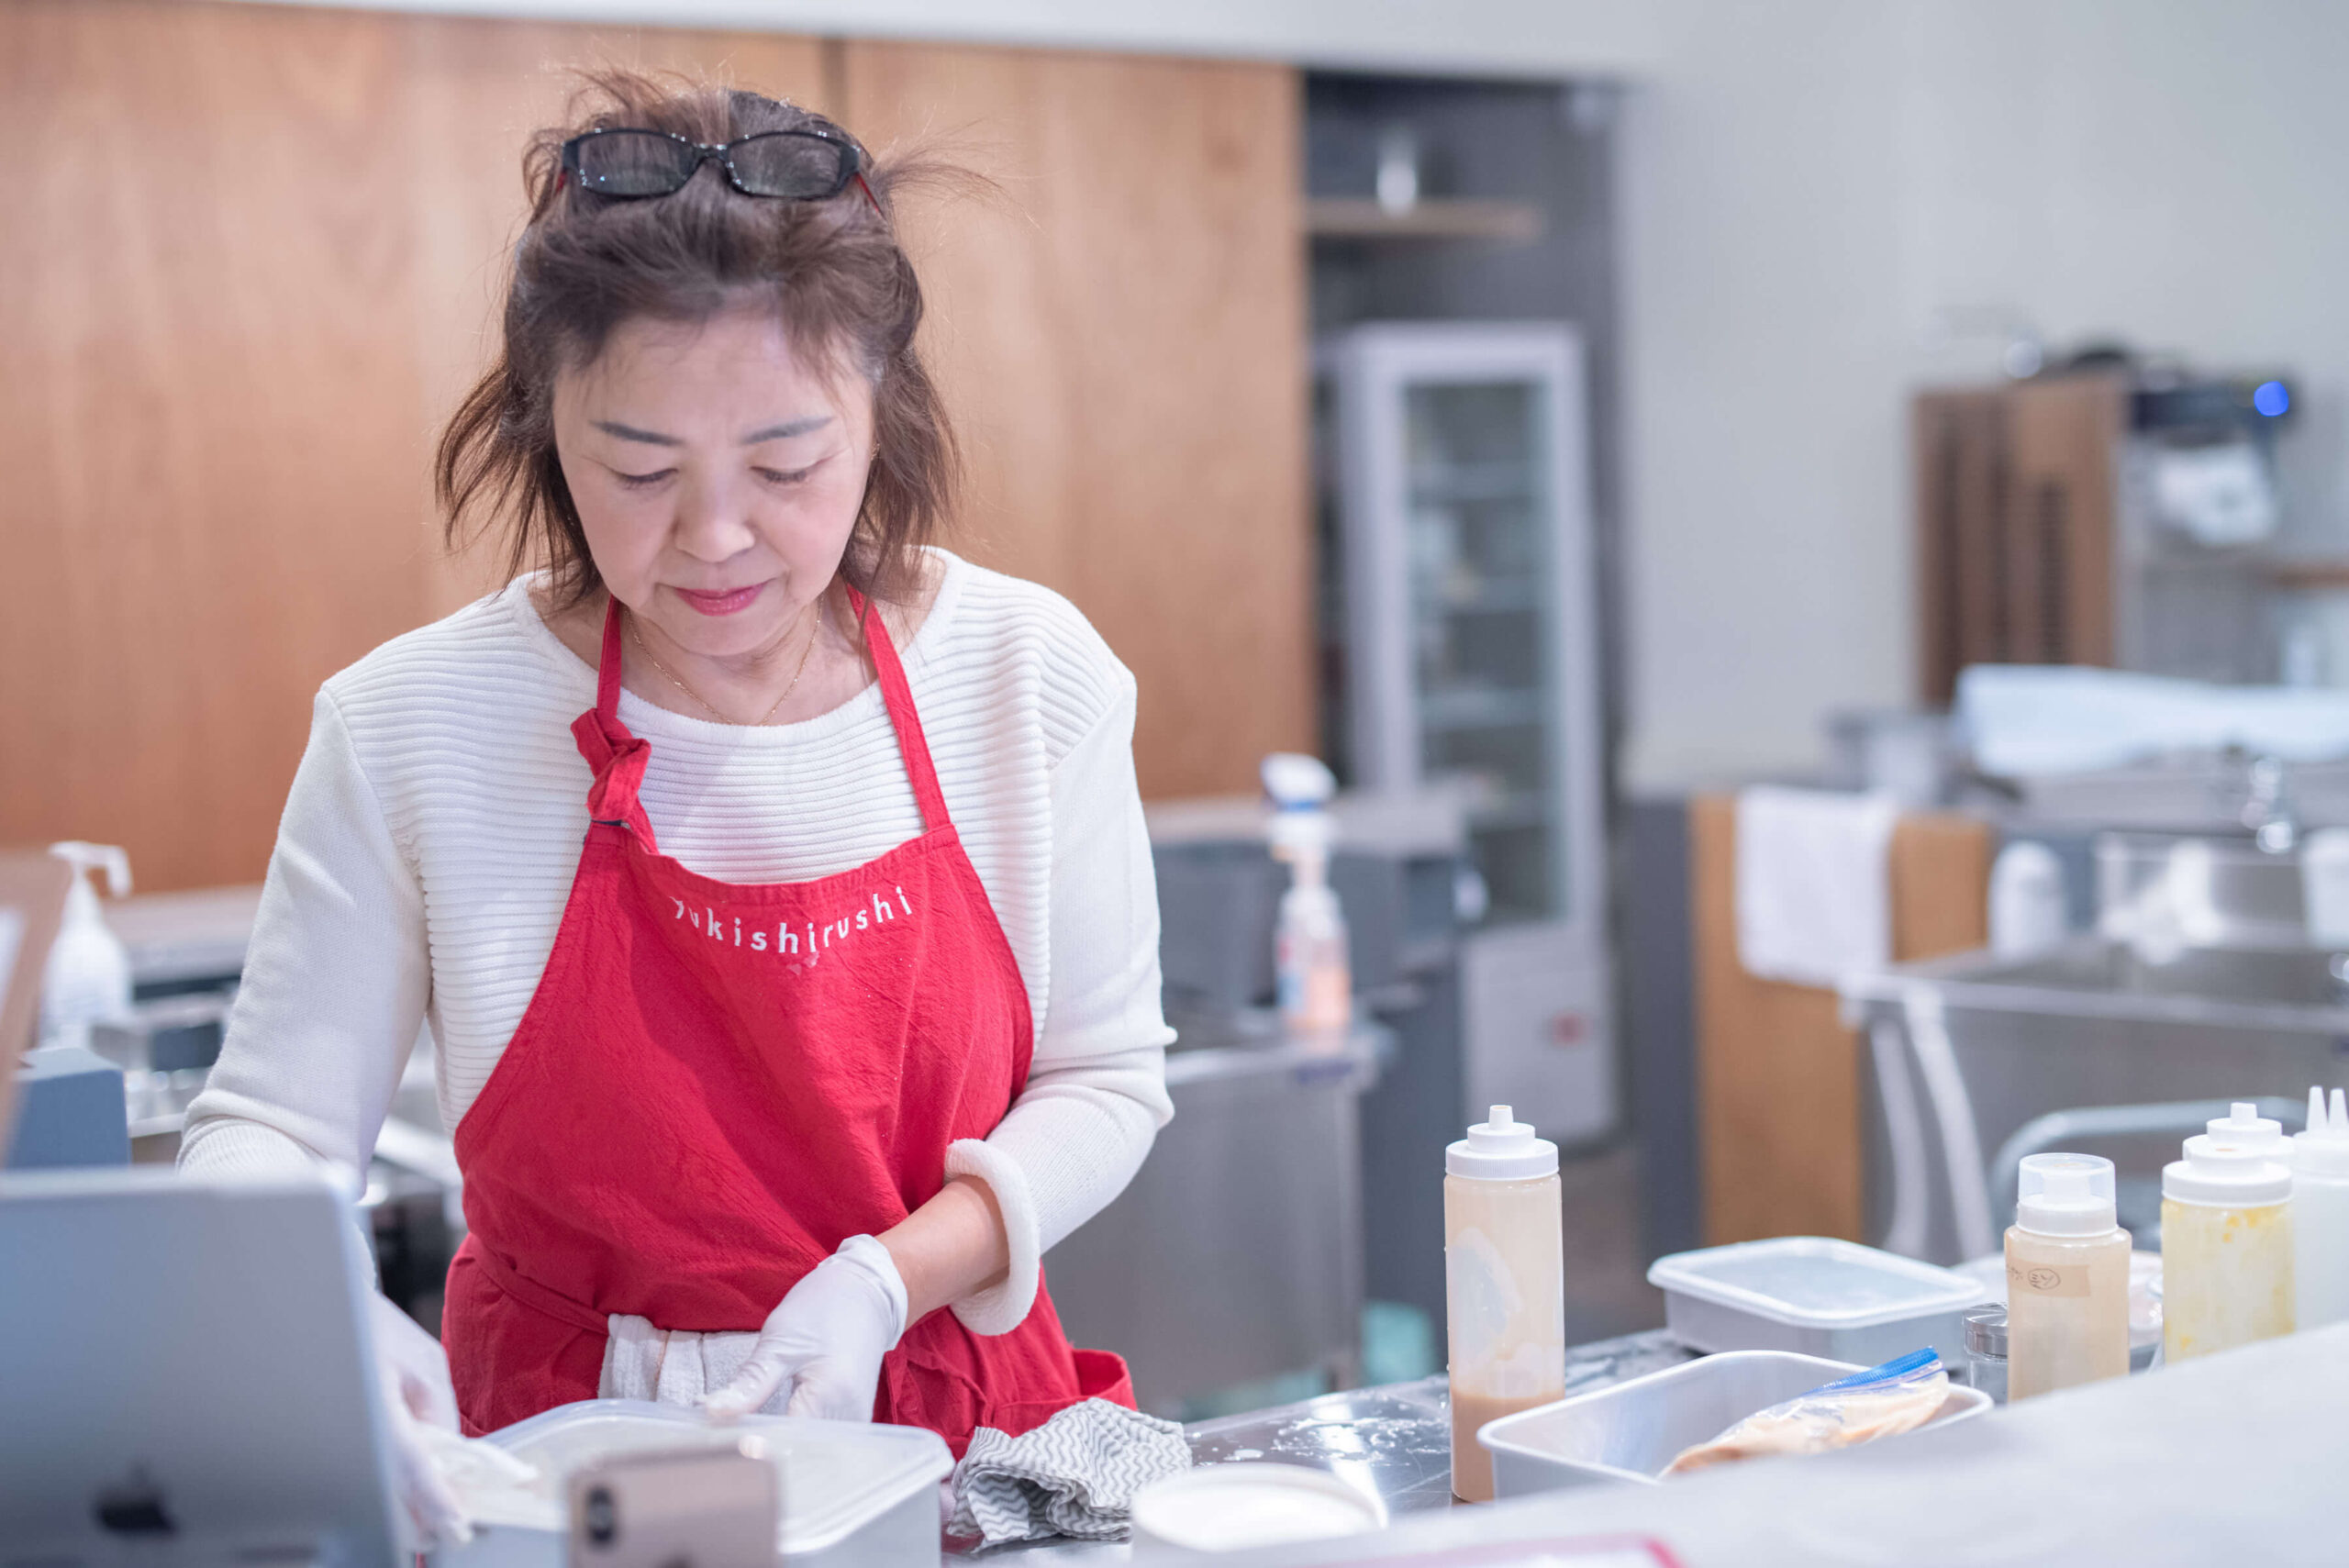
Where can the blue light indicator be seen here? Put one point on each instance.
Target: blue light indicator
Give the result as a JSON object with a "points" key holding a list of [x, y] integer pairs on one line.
{"points": [[2271, 398]]}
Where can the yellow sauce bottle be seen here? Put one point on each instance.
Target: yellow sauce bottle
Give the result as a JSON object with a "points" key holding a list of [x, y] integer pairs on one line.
{"points": [[2067, 1277], [2226, 1247]]}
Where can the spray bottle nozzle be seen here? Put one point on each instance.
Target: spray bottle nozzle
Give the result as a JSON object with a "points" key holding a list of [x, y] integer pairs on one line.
{"points": [[86, 857]]}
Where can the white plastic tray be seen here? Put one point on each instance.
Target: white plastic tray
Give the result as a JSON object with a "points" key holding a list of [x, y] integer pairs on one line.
{"points": [[1632, 1431], [854, 1493], [1814, 1296]]}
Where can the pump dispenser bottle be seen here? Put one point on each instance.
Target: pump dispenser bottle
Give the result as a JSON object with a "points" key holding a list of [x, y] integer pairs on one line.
{"points": [[2321, 1215], [88, 978], [1505, 1286], [2226, 1240], [2067, 1277], [1311, 975]]}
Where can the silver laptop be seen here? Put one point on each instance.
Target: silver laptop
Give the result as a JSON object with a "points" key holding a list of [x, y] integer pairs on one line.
{"points": [[185, 1375]]}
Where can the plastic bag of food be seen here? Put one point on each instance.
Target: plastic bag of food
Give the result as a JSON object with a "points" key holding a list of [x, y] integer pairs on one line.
{"points": [[1882, 1402]]}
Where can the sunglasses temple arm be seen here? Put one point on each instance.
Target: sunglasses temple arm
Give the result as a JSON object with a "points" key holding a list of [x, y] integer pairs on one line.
{"points": [[868, 197]]}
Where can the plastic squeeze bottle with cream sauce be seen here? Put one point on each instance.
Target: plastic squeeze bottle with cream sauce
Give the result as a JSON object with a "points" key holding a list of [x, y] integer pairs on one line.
{"points": [[1505, 1286], [2067, 1277], [2226, 1241]]}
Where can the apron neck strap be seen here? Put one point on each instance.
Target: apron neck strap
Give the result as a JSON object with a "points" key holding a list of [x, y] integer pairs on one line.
{"points": [[899, 698]]}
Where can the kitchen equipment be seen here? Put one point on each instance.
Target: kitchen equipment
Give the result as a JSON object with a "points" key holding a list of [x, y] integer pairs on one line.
{"points": [[1470, 661], [1966, 1053], [1235, 1507], [2067, 1277], [1504, 1274], [1986, 1351], [1236, 1253], [1633, 1431], [1815, 1295], [853, 1495], [2226, 1247]]}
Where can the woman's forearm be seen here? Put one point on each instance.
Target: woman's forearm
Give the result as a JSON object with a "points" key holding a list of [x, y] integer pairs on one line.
{"points": [[949, 1248]]}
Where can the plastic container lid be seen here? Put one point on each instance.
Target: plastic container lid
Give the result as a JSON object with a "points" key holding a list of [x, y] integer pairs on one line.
{"points": [[2066, 1195], [2323, 1149], [2213, 1173], [838, 1477], [1501, 1148], [1986, 1332], [2245, 1127], [1815, 1281], [1250, 1502]]}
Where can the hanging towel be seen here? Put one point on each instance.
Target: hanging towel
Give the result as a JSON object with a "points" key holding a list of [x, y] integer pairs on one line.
{"points": [[1814, 900], [1074, 1476], [676, 1366]]}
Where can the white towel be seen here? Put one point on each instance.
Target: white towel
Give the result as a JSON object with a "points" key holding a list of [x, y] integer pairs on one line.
{"points": [[676, 1366], [1814, 898]]}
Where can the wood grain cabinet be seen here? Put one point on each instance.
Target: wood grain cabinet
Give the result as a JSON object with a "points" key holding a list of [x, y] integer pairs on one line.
{"points": [[251, 270]]}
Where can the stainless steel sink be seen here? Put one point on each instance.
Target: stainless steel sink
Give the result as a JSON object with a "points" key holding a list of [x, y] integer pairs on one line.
{"points": [[1964, 1051]]}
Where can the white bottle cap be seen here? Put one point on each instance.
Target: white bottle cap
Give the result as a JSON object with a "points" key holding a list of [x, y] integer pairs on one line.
{"points": [[2323, 1149], [2230, 1178], [2247, 1128], [2066, 1195], [1501, 1150]]}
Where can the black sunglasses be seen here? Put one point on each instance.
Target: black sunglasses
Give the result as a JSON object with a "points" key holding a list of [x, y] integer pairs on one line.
{"points": [[789, 165]]}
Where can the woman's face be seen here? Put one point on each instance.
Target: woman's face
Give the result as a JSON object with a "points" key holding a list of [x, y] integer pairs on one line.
{"points": [[718, 472]]}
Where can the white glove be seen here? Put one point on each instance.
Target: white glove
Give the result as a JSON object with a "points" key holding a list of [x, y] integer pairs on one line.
{"points": [[826, 1340], [417, 1395]]}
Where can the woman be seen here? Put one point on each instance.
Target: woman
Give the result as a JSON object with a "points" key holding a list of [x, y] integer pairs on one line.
{"points": [[772, 1094]]}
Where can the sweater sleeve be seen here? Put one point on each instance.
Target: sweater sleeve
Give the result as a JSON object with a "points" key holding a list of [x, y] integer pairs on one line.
{"points": [[335, 982], [1096, 1092]]}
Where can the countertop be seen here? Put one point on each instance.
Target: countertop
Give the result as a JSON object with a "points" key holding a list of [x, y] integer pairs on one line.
{"points": [[1394, 1441]]}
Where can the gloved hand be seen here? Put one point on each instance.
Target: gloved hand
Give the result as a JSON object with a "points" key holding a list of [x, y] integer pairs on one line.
{"points": [[417, 1395], [827, 1339]]}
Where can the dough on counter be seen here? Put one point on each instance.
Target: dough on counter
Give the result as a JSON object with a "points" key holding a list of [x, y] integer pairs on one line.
{"points": [[1882, 1402]]}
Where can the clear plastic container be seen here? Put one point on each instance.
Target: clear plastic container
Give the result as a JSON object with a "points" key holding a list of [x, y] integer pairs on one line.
{"points": [[2227, 1277], [2321, 1215], [1986, 1351], [2067, 1277], [854, 1493], [1814, 1296], [1505, 1286]]}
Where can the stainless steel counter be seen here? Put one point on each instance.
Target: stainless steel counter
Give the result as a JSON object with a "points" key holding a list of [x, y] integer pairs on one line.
{"points": [[1395, 1441]]}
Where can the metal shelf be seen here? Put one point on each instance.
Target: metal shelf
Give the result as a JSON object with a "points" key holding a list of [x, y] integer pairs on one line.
{"points": [[1346, 217]]}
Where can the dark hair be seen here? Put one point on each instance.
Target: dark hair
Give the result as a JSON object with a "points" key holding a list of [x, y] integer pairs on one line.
{"points": [[831, 271]]}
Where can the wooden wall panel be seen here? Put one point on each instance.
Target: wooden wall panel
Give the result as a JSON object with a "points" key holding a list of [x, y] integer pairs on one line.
{"points": [[1777, 1074], [1121, 334], [245, 276]]}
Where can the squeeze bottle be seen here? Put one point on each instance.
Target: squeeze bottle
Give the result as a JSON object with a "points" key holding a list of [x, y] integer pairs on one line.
{"points": [[2226, 1242], [2321, 1215], [1504, 1285], [2067, 1277], [1311, 975], [87, 980]]}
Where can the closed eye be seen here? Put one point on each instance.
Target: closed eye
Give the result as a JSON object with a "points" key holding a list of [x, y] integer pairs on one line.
{"points": [[786, 475], [643, 481]]}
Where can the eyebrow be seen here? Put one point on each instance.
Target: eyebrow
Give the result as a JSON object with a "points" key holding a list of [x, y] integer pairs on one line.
{"points": [[784, 431]]}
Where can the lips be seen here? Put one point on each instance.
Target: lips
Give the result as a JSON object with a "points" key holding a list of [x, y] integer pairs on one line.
{"points": [[725, 602]]}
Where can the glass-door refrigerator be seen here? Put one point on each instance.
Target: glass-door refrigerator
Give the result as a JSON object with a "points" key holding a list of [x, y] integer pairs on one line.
{"points": [[1469, 665]]}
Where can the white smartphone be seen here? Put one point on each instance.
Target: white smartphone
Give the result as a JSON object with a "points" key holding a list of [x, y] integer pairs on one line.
{"points": [[693, 1509]]}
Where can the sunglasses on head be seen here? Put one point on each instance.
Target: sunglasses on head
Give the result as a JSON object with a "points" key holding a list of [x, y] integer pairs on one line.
{"points": [[788, 165]]}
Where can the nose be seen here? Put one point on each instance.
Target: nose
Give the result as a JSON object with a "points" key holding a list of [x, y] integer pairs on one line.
{"points": [[712, 521]]}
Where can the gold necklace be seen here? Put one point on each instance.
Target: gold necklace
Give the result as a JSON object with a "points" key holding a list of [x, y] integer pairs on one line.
{"points": [[638, 637]]}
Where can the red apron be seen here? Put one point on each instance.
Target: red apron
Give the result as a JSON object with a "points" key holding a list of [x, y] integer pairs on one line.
{"points": [[715, 1085]]}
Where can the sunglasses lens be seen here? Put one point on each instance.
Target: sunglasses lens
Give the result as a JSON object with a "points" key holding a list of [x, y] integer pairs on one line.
{"points": [[633, 163], [787, 163]]}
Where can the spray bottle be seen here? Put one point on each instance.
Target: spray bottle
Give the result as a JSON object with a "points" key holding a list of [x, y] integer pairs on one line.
{"points": [[2321, 1215], [2067, 1277], [2227, 1239], [88, 978], [1310, 972], [1504, 1285]]}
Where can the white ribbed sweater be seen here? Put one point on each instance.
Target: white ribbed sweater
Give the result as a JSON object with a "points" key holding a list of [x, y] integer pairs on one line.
{"points": [[428, 843]]}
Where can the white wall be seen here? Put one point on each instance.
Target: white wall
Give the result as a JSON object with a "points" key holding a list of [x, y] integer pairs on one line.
{"points": [[1810, 187]]}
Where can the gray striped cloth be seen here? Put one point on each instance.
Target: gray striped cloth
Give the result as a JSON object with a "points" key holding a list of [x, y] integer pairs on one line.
{"points": [[1074, 1476]]}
